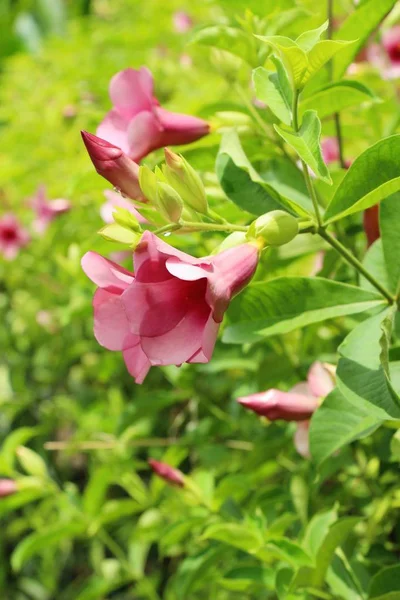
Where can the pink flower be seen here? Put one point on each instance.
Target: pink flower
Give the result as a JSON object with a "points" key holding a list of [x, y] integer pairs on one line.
{"points": [[12, 236], [46, 210], [168, 473], [169, 312], [182, 21], [115, 166], [296, 405], [115, 200], [391, 43], [330, 150], [137, 124], [7, 487]]}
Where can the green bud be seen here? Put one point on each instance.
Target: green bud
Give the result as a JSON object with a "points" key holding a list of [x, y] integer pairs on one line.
{"points": [[169, 202], [117, 233], [274, 228], [31, 462], [226, 64], [186, 181], [148, 183], [124, 217], [230, 118]]}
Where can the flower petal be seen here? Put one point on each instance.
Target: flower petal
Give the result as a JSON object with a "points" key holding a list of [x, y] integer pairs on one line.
{"points": [[320, 380], [111, 327], [105, 273], [186, 271], [114, 129], [179, 128], [131, 91], [144, 135], [136, 361], [210, 334], [150, 248]]}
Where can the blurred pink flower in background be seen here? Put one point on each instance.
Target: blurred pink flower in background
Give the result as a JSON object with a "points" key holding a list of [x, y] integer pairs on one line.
{"points": [[7, 487], [391, 43], [330, 150], [298, 404], [13, 236], [182, 21], [169, 312], [371, 224], [168, 473], [185, 60], [114, 200], [46, 210], [137, 124]]}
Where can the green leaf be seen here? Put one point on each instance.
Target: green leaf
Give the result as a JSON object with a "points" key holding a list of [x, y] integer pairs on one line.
{"points": [[231, 39], [42, 540], [360, 375], [274, 89], [374, 262], [389, 224], [244, 579], [32, 462], [337, 423], [288, 303], [359, 26], [246, 188], [337, 96], [308, 39], [235, 534], [306, 143], [320, 54], [373, 176], [386, 581], [317, 530], [337, 534], [284, 549]]}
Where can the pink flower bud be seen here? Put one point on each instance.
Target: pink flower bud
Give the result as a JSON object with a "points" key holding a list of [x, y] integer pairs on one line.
{"points": [[112, 164], [7, 487], [371, 224], [391, 43], [275, 405], [182, 21], [168, 473]]}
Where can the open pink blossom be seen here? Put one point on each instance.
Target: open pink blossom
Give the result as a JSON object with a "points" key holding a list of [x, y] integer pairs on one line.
{"points": [[182, 21], [298, 404], [138, 124], [46, 210], [168, 473], [13, 236], [169, 312], [115, 200]]}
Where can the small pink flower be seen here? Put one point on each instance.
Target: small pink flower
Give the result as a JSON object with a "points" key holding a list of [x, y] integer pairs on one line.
{"points": [[13, 236], [182, 21], [114, 165], [114, 200], [47, 210], [185, 60], [168, 473], [137, 124], [169, 312], [391, 43], [330, 150], [298, 404], [7, 487]]}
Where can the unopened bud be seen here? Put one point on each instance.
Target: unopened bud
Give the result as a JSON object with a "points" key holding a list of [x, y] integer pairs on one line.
{"points": [[227, 64], [274, 228], [169, 202], [148, 183], [126, 218], [117, 233], [31, 462], [7, 487], [186, 181], [275, 404], [168, 473]]}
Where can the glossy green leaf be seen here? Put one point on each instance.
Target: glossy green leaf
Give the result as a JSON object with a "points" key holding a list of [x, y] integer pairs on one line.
{"points": [[43, 540], [274, 89], [374, 262], [288, 303], [231, 39], [358, 26], [286, 550], [389, 225], [234, 534], [360, 375], [306, 142], [337, 423], [322, 53], [317, 529], [308, 39], [373, 176], [386, 581], [336, 97]]}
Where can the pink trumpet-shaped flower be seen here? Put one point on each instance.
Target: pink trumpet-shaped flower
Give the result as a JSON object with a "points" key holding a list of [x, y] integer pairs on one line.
{"points": [[47, 210], [330, 150], [137, 124], [13, 236], [115, 200], [182, 21], [7, 487], [168, 473], [391, 43], [169, 312], [296, 405], [114, 165]]}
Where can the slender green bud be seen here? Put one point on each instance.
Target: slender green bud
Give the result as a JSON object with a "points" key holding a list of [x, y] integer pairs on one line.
{"points": [[274, 228], [169, 202], [184, 179], [126, 219], [148, 183], [114, 232], [31, 462]]}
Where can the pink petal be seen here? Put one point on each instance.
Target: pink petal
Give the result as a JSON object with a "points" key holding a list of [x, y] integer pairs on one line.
{"points": [[115, 199], [151, 248], [301, 439], [114, 129], [144, 135], [179, 128], [186, 271], [136, 361], [111, 327], [320, 380], [60, 205], [275, 404], [210, 334], [181, 343], [131, 91], [105, 273]]}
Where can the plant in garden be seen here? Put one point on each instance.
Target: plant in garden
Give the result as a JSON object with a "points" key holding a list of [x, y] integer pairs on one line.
{"points": [[170, 490]]}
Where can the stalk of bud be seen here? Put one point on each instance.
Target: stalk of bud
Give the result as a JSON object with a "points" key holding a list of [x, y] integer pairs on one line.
{"points": [[168, 473], [186, 181]]}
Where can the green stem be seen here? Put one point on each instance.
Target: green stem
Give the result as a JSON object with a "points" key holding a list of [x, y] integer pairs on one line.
{"points": [[167, 228], [115, 549], [310, 187], [336, 116], [356, 263], [215, 216], [213, 226]]}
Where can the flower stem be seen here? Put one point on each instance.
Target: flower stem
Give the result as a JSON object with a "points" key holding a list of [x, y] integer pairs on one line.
{"points": [[213, 226], [356, 263], [167, 228]]}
